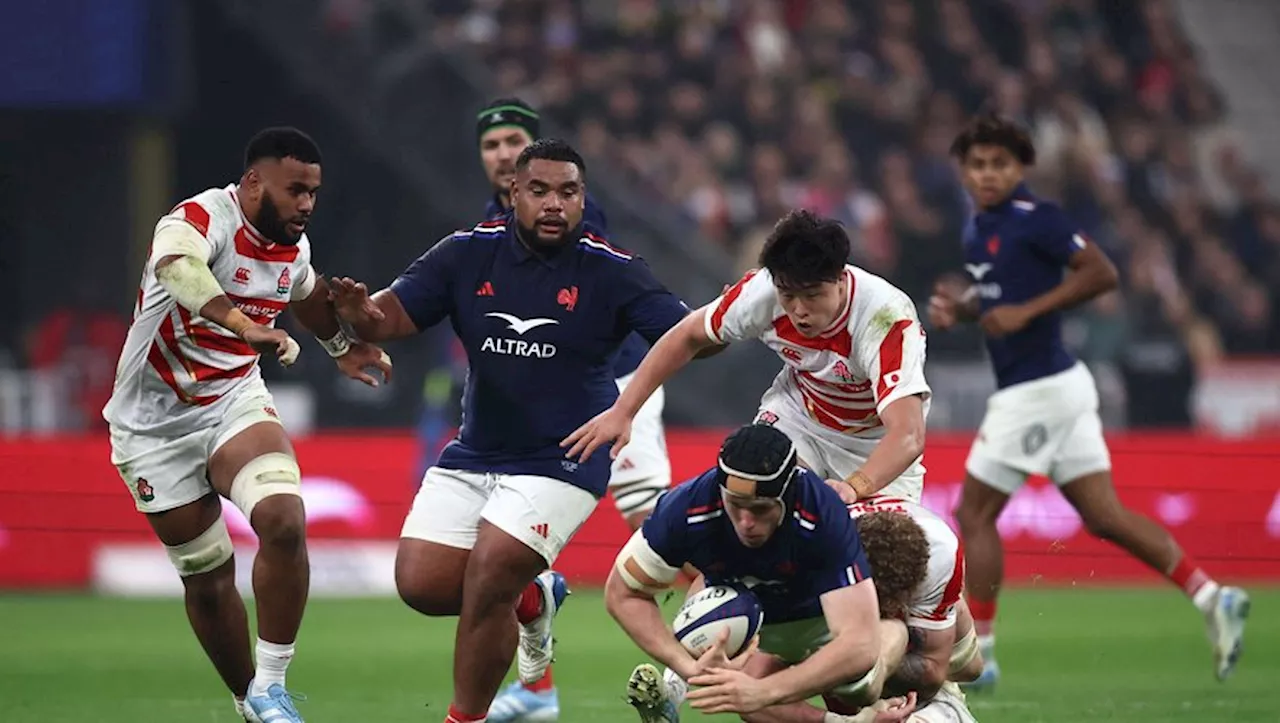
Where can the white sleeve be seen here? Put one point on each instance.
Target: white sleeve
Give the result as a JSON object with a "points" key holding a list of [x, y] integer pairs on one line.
{"points": [[891, 348], [303, 287], [745, 311], [202, 215], [933, 607]]}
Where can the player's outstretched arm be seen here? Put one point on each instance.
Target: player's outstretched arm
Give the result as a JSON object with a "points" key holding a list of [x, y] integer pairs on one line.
{"points": [[315, 312], [954, 301], [638, 575], [376, 318], [902, 444], [672, 352], [182, 268]]}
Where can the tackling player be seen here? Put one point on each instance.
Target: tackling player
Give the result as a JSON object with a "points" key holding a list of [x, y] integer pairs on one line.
{"points": [[851, 393], [641, 471], [190, 418], [1044, 418], [756, 519], [541, 303]]}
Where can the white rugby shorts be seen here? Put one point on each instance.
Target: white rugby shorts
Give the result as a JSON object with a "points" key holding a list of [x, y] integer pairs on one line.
{"points": [[542, 512], [948, 706], [1047, 426], [642, 471], [163, 473], [829, 453]]}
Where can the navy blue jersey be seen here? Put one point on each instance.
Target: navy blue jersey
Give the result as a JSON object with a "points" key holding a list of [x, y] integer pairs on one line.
{"points": [[1015, 252], [634, 347], [815, 550], [539, 332]]}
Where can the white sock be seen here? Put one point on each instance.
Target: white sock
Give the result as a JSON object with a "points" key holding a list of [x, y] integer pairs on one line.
{"points": [[1206, 596], [675, 686], [273, 660], [987, 645], [239, 705]]}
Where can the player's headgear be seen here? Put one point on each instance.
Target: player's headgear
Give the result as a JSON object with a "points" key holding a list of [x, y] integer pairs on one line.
{"points": [[508, 112], [760, 459]]}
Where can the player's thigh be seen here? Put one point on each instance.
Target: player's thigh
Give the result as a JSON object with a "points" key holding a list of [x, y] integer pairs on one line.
{"points": [[981, 502], [795, 640], [437, 537], [196, 540], [162, 473], [995, 460], [642, 470], [540, 512], [250, 430]]}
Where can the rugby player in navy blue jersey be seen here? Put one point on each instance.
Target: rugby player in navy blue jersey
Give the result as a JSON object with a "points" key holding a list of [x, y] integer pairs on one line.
{"points": [[1028, 263], [541, 303], [642, 471], [758, 520]]}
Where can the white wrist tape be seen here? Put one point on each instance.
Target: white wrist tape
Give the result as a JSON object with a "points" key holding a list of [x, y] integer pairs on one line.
{"points": [[338, 345]]}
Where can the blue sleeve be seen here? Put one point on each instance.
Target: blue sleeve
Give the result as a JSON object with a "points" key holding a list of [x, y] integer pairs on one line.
{"points": [[666, 528], [1056, 238], [425, 289], [647, 307], [593, 215], [841, 559]]}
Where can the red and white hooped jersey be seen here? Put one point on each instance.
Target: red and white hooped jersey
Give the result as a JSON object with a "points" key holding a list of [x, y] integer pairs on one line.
{"points": [[933, 606], [872, 356], [178, 371]]}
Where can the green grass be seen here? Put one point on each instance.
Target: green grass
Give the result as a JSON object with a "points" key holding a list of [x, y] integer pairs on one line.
{"points": [[1067, 655]]}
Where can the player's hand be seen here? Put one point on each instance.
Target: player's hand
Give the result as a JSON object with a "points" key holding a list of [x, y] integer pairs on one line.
{"points": [[351, 300], [944, 305], [362, 356], [611, 425], [896, 710], [716, 658], [1005, 320], [729, 691], [848, 494], [271, 342]]}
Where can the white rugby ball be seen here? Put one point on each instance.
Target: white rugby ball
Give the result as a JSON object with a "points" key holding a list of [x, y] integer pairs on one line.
{"points": [[704, 616]]}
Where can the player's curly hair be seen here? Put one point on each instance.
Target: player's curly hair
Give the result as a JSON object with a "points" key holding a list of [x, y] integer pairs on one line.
{"points": [[551, 149], [281, 142], [990, 129], [804, 250], [899, 555]]}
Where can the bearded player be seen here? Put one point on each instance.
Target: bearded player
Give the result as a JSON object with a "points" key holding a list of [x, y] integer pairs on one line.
{"points": [[191, 420], [642, 472]]}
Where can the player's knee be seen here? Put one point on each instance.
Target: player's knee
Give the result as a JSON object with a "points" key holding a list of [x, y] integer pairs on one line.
{"points": [[431, 587], [203, 555], [270, 477], [971, 518], [281, 522], [209, 592]]}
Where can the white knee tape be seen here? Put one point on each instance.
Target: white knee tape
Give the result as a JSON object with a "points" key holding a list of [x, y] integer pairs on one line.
{"points": [[275, 473], [205, 553]]}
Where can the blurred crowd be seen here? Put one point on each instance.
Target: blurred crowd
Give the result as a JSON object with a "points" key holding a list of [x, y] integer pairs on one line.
{"points": [[739, 110]]}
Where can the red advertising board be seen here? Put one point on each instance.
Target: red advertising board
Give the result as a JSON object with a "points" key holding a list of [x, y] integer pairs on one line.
{"points": [[63, 510]]}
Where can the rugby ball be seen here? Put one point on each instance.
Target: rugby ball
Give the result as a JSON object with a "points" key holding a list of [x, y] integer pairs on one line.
{"points": [[704, 616]]}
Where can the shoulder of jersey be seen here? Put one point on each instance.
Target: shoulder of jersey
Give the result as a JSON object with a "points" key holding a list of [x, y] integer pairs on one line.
{"points": [[870, 289], [210, 211], [596, 243]]}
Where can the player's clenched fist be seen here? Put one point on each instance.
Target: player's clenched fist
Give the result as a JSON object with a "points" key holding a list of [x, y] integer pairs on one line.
{"points": [[611, 425], [275, 342], [944, 305], [351, 300]]}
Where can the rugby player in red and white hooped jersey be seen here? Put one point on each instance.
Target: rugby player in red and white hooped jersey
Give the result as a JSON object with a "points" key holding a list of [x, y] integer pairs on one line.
{"points": [[191, 420], [851, 393]]}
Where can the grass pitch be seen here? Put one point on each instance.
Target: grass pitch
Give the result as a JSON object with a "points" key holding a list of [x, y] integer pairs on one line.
{"points": [[1067, 655]]}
